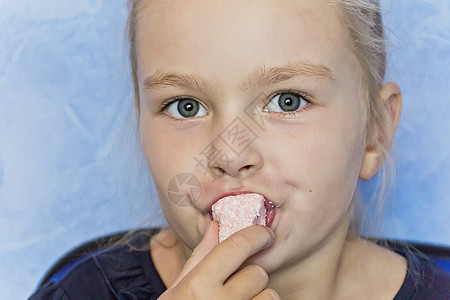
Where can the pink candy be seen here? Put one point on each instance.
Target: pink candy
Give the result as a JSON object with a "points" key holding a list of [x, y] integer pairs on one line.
{"points": [[237, 212]]}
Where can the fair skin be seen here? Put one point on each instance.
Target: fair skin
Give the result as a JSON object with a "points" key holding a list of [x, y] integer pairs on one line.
{"points": [[307, 161]]}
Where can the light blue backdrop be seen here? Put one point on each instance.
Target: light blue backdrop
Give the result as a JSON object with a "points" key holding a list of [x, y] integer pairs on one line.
{"points": [[66, 138]]}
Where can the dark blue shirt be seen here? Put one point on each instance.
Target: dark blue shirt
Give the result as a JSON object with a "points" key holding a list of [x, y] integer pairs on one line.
{"points": [[119, 272]]}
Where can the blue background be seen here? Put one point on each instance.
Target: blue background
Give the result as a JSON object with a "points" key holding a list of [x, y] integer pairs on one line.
{"points": [[70, 169]]}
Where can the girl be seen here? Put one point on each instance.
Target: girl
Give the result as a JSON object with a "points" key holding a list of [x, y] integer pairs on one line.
{"points": [[281, 98]]}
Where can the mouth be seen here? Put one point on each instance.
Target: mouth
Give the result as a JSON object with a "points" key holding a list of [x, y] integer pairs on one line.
{"points": [[271, 210], [270, 206]]}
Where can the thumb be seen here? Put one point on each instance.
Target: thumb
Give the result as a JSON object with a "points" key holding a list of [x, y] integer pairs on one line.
{"points": [[209, 241]]}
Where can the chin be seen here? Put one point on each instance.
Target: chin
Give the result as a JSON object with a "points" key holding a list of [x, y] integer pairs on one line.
{"points": [[269, 259]]}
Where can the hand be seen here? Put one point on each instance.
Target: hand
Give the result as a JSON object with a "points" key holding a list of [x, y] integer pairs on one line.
{"points": [[212, 270]]}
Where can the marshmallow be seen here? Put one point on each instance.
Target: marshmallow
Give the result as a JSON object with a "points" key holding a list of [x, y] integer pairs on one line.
{"points": [[237, 212]]}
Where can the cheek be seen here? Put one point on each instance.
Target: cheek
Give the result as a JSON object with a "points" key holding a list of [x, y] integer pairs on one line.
{"points": [[322, 158], [169, 151], [158, 148], [167, 157], [184, 221], [327, 153]]}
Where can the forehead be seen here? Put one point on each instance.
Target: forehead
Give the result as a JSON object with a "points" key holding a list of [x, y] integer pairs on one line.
{"points": [[211, 34]]}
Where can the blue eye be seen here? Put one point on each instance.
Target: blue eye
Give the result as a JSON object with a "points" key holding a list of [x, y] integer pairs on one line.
{"points": [[286, 102], [186, 108]]}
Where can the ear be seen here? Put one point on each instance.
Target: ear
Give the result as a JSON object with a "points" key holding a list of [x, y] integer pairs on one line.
{"points": [[374, 156]]}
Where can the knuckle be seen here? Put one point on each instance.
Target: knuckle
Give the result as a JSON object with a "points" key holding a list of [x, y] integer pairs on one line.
{"points": [[192, 287], [195, 282]]}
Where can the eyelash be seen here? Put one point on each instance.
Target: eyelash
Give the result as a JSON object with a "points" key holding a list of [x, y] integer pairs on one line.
{"points": [[168, 102], [290, 91]]}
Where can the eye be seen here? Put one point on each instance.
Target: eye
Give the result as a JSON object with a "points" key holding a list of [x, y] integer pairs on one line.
{"points": [[186, 108], [288, 101]]}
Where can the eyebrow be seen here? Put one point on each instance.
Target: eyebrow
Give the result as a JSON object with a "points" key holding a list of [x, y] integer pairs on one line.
{"points": [[261, 76]]}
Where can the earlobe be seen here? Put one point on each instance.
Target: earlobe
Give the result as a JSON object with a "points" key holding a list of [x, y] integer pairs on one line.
{"points": [[382, 134], [369, 165]]}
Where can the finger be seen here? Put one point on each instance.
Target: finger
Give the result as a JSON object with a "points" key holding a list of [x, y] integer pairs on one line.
{"points": [[209, 241], [267, 294], [234, 251], [249, 281]]}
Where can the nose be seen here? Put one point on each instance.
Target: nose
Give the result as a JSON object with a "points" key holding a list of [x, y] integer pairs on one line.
{"points": [[237, 152]]}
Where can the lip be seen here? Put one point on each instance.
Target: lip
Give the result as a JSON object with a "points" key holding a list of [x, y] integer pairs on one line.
{"points": [[270, 205]]}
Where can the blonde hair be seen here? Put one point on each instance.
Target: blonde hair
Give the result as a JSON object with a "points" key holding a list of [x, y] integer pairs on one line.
{"points": [[364, 23]]}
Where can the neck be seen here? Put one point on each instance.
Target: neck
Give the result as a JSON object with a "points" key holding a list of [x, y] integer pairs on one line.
{"points": [[314, 276], [343, 266]]}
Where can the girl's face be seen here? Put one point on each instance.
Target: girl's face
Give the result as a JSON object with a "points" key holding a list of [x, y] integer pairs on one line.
{"points": [[272, 105]]}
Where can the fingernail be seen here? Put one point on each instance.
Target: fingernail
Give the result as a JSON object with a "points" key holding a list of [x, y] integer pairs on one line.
{"points": [[275, 295]]}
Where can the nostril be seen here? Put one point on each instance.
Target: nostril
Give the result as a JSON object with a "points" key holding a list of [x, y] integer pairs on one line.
{"points": [[218, 171]]}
